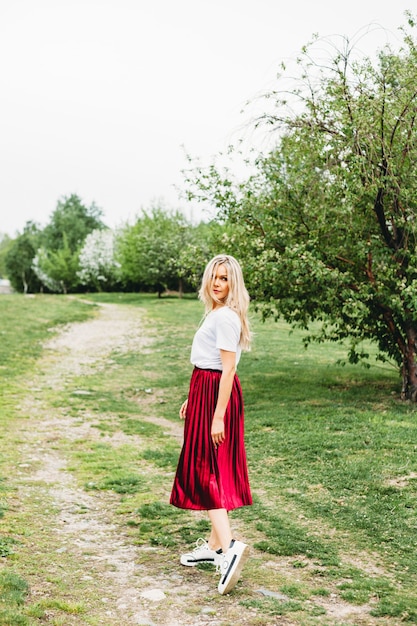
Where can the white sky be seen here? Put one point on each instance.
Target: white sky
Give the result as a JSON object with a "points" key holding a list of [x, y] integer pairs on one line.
{"points": [[99, 96]]}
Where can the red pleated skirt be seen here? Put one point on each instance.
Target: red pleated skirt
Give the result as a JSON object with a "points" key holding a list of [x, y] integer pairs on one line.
{"points": [[208, 477]]}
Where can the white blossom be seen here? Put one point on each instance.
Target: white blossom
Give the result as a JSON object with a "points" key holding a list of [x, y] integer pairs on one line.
{"points": [[50, 283], [97, 261]]}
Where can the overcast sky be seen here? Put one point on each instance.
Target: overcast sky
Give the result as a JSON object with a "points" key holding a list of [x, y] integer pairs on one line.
{"points": [[100, 97]]}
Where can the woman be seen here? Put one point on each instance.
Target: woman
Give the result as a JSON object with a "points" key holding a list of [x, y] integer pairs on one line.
{"points": [[212, 471]]}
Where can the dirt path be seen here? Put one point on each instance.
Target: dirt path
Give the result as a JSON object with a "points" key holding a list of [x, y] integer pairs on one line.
{"points": [[78, 546], [82, 527]]}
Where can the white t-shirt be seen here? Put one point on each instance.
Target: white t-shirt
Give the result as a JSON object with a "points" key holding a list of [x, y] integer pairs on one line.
{"points": [[219, 331]]}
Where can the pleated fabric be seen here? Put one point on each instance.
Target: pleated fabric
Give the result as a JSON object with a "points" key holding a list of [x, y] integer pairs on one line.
{"points": [[208, 477]]}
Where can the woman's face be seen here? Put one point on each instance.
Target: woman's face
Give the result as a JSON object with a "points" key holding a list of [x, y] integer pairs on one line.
{"points": [[220, 283]]}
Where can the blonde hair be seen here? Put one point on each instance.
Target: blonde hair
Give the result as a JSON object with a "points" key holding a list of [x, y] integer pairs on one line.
{"points": [[237, 299]]}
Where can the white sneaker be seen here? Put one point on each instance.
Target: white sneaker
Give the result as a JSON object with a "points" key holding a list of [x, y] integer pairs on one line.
{"points": [[231, 564], [202, 553]]}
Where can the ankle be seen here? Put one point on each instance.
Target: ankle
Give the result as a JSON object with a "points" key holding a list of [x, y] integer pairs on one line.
{"points": [[226, 546]]}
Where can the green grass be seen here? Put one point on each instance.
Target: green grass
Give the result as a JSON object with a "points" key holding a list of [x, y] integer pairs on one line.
{"points": [[327, 444], [26, 323], [13, 592], [331, 452]]}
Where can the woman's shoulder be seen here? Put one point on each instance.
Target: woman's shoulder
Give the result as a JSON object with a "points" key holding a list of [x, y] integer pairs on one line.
{"points": [[227, 313]]}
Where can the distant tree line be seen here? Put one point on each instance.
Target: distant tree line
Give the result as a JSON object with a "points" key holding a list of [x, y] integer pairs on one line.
{"points": [[76, 252]]}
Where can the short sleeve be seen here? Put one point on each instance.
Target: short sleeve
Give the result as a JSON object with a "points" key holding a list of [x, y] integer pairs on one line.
{"points": [[228, 331]]}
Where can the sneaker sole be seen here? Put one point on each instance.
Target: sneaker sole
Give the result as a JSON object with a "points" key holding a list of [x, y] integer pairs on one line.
{"points": [[194, 563], [235, 570]]}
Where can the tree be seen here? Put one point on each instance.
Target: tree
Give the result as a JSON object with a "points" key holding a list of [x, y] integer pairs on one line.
{"points": [[204, 241], [149, 250], [57, 269], [57, 261], [71, 219], [19, 259], [98, 266], [5, 244], [326, 224]]}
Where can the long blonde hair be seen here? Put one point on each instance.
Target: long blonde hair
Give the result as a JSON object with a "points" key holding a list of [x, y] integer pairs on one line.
{"points": [[237, 299]]}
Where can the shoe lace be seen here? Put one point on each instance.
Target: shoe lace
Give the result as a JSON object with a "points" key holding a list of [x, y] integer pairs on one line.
{"points": [[200, 543]]}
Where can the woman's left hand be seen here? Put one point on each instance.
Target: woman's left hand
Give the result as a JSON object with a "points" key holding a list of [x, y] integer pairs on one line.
{"points": [[183, 410], [217, 430]]}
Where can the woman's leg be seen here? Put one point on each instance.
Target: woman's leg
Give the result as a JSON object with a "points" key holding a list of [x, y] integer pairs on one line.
{"points": [[213, 540], [221, 534]]}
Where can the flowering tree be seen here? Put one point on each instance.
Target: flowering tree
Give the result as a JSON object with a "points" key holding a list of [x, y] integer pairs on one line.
{"points": [[57, 260], [326, 225], [98, 266], [57, 269], [40, 265]]}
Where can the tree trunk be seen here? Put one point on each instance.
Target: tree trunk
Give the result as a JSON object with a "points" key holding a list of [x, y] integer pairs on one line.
{"points": [[409, 368], [180, 287], [25, 284]]}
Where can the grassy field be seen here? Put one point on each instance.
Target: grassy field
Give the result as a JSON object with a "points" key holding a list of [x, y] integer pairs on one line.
{"points": [[26, 323], [331, 451]]}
